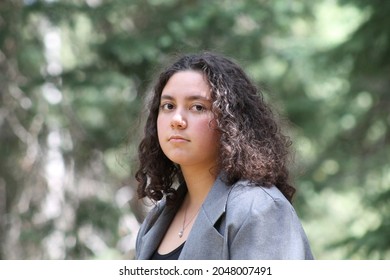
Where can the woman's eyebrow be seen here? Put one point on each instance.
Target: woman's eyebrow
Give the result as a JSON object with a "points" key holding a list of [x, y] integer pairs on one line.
{"points": [[190, 98], [167, 97], [197, 97]]}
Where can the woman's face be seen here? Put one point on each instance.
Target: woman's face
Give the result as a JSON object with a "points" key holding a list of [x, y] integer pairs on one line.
{"points": [[185, 122]]}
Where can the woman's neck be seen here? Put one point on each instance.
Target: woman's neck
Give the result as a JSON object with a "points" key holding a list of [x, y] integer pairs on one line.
{"points": [[199, 183]]}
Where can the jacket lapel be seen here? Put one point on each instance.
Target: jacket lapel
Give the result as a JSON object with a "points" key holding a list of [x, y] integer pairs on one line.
{"points": [[153, 237], [206, 240], [158, 225]]}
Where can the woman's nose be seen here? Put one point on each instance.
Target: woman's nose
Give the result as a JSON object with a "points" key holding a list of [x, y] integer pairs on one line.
{"points": [[178, 121]]}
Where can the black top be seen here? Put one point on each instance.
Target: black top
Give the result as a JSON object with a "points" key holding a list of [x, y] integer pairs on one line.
{"points": [[174, 255]]}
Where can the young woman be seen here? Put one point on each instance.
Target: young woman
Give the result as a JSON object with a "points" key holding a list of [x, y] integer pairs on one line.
{"points": [[214, 160]]}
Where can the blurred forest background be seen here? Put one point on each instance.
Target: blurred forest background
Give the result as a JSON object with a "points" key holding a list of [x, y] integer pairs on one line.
{"points": [[73, 75]]}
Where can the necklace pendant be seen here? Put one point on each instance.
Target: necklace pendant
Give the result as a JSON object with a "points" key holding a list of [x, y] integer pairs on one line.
{"points": [[181, 233]]}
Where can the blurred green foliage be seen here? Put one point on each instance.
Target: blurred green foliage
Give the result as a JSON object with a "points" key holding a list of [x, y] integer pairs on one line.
{"points": [[73, 77]]}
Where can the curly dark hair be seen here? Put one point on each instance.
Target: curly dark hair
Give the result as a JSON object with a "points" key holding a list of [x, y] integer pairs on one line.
{"points": [[252, 145]]}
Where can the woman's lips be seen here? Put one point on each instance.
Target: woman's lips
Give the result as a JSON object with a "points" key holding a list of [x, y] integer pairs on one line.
{"points": [[177, 139]]}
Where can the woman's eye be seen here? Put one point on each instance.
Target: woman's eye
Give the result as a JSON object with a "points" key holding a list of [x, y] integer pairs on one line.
{"points": [[166, 106], [198, 108]]}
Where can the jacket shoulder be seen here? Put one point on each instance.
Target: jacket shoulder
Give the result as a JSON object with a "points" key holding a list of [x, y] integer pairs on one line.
{"points": [[262, 224], [245, 191], [251, 200]]}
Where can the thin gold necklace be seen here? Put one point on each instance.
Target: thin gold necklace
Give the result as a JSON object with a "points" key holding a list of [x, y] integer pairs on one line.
{"points": [[184, 221]]}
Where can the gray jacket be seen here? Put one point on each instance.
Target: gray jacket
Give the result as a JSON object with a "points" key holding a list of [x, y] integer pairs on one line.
{"points": [[235, 222]]}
